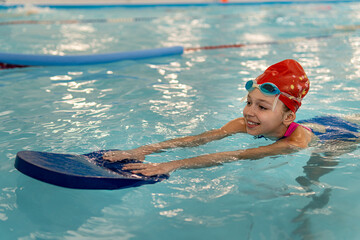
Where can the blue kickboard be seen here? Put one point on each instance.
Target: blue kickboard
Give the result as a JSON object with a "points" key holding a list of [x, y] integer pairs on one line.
{"points": [[86, 171]]}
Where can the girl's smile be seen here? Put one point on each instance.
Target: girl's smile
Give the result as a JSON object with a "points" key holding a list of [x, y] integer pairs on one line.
{"points": [[251, 124]]}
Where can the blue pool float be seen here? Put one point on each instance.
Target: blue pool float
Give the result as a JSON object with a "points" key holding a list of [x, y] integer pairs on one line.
{"points": [[68, 60], [87, 171]]}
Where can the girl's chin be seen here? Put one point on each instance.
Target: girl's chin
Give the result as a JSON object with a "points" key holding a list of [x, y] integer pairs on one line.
{"points": [[252, 132]]}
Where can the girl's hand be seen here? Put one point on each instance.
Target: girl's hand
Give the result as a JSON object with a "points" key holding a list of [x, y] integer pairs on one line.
{"points": [[150, 169], [114, 156]]}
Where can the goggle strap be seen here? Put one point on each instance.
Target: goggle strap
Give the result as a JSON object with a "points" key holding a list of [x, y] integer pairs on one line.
{"points": [[292, 97], [244, 98], [275, 102]]}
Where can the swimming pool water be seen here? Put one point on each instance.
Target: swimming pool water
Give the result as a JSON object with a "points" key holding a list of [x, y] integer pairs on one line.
{"points": [[80, 109]]}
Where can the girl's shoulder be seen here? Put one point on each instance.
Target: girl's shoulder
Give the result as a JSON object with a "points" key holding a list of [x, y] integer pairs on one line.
{"points": [[300, 136], [235, 126]]}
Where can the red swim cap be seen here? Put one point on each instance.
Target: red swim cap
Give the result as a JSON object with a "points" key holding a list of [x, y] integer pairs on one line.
{"points": [[290, 78]]}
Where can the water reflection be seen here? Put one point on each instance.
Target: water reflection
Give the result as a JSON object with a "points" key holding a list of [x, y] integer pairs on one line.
{"points": [[176, 97], [77, 111], [200, 201], [183, 33], [354, 42]]}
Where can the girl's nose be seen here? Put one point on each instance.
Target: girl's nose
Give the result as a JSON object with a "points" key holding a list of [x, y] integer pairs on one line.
{"points": [[249, 111]]}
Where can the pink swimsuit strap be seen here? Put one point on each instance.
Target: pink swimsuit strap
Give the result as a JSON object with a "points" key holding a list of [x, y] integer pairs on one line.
{"points": [[292, 127]]}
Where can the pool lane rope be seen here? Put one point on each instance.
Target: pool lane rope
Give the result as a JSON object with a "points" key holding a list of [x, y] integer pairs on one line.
{"points": [[14, 60], [74, 21], [101, 20]]}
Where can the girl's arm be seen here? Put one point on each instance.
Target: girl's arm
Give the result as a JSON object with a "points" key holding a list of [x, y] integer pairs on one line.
{"points": [[277, 148], [232, 127]]}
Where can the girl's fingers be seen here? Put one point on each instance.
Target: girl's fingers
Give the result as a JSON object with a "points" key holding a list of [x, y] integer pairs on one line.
{"points": [[145, 169], [132, 166], [137, 166], [145, 172]]}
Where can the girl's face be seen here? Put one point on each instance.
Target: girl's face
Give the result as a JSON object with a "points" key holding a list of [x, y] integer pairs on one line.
{"points": [[260, 118]]}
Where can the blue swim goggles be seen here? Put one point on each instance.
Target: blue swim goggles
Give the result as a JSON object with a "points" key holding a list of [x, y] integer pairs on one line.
{"points": [[266, 88], [269, 89]]}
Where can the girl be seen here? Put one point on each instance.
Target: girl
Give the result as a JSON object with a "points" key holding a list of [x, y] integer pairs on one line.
{"points": [[264, 116]]}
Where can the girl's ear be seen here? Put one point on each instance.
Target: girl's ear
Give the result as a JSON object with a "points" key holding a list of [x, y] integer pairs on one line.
{"points": [[289, 117]]}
